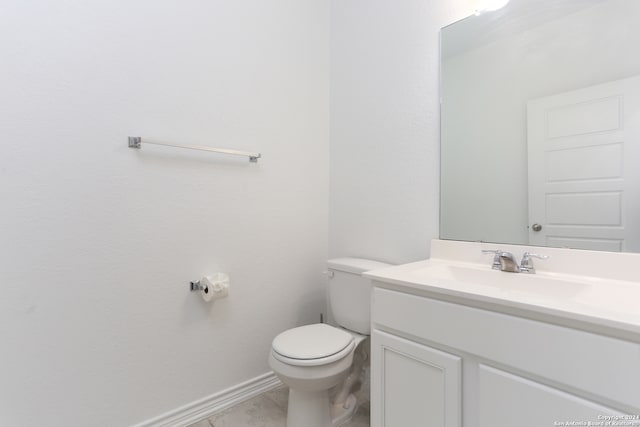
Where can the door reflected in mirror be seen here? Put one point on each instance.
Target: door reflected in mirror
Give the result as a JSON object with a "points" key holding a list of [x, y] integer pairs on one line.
{"points": [[540, 139]]}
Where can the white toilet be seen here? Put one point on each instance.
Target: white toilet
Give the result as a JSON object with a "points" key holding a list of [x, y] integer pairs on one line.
{"points": [[314, 358]]}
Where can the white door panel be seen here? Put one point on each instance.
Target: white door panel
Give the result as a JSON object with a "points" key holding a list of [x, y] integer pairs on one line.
{"points": [[584, 167]]}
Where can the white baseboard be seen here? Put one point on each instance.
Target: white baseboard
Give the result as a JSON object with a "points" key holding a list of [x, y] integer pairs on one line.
{"points": [[203, 408]]}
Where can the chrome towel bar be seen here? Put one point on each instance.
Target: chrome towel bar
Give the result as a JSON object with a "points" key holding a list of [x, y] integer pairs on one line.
{"points": [[136, 142]]}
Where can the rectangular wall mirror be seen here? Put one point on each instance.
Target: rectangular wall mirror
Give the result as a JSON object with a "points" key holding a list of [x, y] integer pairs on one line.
{"points": [[540, 132]]}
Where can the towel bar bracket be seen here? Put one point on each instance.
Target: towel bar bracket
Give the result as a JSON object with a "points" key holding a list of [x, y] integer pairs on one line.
{"points": [[135, 142]]}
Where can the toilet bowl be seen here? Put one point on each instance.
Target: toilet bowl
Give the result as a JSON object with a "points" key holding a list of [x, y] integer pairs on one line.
{"points": [[312, 359]]}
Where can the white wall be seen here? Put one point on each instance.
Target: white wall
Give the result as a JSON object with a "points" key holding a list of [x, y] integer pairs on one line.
{"points": [[99, 241], [385, 126], [486, 91]]}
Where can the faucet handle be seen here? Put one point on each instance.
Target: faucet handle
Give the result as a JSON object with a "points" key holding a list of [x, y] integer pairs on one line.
{"points": [[526, 266], [496, 257], [528, 255]]}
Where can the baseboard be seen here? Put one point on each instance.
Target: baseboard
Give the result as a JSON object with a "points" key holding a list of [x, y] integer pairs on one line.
{"points": [[203, 408]]}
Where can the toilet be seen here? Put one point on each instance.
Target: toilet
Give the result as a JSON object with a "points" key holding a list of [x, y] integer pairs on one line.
{"points": [[312, 359]]}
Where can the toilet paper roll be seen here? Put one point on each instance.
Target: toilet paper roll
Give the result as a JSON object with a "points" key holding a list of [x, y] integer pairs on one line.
{"points": [[215, 286]]}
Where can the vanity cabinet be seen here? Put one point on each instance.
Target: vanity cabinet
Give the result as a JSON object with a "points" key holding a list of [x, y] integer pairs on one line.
{"points": [[445, 364]]}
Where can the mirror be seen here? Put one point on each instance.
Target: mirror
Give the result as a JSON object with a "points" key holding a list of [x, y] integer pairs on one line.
{"points": [[540, 131]]}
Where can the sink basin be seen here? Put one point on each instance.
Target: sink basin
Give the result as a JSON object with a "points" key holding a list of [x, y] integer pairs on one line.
{"points": [[513, 283], [553, 289]]}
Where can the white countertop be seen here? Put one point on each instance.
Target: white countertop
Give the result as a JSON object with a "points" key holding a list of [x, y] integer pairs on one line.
{"points": [[604, 305]]}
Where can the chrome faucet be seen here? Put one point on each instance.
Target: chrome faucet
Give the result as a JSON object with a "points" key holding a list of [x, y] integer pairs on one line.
{"points": [[505, 261]]}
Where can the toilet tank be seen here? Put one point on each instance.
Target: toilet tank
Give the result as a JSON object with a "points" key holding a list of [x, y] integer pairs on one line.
{"points": [[350, 293]]}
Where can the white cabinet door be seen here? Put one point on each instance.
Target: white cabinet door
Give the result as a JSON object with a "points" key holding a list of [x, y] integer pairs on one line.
{"points": [[413, 385], [507, 400]]}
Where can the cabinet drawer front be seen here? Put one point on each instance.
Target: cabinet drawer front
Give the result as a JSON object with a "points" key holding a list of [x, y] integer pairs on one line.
{"points": [[592, 363], [506, 401]]}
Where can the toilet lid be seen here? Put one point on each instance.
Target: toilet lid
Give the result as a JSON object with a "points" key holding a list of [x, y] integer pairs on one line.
{"points": [[311, 342]]}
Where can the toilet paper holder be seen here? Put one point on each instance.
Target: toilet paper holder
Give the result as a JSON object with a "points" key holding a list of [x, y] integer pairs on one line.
{"points": [[215, 286], [195, 286]]}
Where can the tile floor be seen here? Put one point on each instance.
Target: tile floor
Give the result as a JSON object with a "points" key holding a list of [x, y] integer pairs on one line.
{"points": [[267, 410]]}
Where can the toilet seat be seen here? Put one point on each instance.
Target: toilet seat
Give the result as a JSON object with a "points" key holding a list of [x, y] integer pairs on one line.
{"points": [[312, 345]]}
